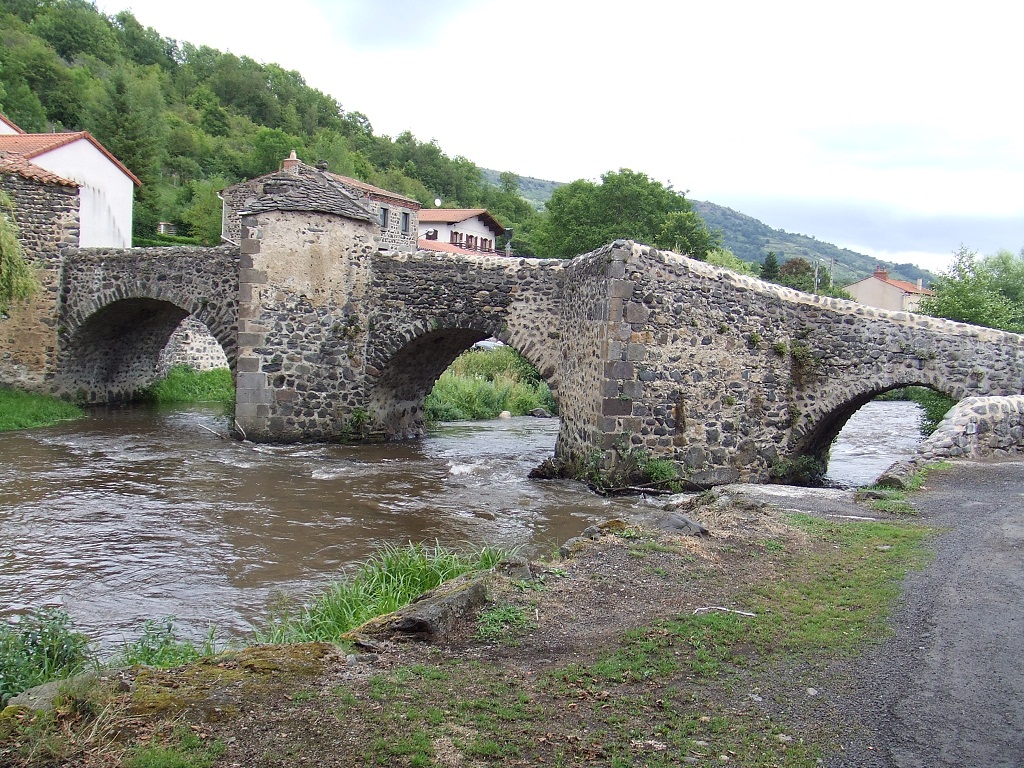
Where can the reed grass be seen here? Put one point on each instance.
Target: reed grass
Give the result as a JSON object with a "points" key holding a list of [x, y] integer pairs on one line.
{"points": [[24, 410], [389, 579]]}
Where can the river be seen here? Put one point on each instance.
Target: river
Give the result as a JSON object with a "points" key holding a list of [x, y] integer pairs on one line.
{"points": [[142, 513]]}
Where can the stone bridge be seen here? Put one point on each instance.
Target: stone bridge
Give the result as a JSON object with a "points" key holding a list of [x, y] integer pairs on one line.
{"points": [[330, 339]]}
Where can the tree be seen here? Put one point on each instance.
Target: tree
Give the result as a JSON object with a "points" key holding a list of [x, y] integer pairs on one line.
{"points": [[17, 281], [723, 257], [797, 273], [770, 268], [976, 292], [582, 216]]}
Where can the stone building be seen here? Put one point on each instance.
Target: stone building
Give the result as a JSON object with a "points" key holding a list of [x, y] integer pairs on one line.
{"points": [[397, 217], [46, 212], [105, 186], [879, 290], [458, 230]]}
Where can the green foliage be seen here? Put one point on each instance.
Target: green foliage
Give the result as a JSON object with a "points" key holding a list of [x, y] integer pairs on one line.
{"points": [[583, 216], [482, 383], [17, 279], [389, 579], [722, 257], [24, 410], [185, 385], [503, 622], [770, 268], [185, 750], [935, 405], [801, 470], [160, 646], [43, 646], [981, 292], [797, 273]]}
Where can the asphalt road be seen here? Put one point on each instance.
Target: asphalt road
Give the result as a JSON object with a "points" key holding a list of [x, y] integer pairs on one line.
{"points": [[948, 688]]}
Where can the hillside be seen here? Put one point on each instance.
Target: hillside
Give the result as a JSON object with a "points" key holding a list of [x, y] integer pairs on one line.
{"points": [[535, 191], [751, 239]]}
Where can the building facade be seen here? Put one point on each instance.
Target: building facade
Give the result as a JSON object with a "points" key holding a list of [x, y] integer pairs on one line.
{"points": [[458, 230], [879, 290]]}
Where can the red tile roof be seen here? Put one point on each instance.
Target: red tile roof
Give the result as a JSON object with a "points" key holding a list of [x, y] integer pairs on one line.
{"points": [[7, 121], [903, 285], [19, 166], [456, 215], [30, 145]]}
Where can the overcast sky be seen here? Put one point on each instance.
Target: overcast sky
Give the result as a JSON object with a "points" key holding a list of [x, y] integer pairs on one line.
{"points": [[892, 128]]}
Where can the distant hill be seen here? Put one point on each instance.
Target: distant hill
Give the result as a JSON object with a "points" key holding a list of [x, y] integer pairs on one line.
{"points": [[536, 191], [751, 240]]}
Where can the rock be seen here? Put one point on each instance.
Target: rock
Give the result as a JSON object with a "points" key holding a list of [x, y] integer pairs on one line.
{"points": [[540, 413], [517, 568], [680, 522], [591, 532], [572, 547], [505, 415], [433, 614]]}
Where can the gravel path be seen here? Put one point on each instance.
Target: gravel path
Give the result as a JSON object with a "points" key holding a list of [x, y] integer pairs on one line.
{"points": [[948, 688]]}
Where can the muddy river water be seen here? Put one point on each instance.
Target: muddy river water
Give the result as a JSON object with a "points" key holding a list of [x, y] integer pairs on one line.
{"points": [[139, 514]]}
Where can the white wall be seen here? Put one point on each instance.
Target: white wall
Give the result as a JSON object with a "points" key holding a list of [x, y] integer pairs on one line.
{"points": [[473, 226], [105, 215]]}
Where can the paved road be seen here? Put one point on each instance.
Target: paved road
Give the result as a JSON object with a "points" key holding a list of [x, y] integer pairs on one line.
{"points": [[948, 689]]}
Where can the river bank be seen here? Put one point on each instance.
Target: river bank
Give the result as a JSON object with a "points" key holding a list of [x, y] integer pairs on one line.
{"points": [[645, 647]]}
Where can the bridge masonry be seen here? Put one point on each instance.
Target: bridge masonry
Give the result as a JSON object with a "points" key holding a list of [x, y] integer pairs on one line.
{"points": [[729, 377]]}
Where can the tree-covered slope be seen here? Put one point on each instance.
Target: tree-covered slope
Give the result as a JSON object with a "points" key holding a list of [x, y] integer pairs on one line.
{"points": [[751, 240]]}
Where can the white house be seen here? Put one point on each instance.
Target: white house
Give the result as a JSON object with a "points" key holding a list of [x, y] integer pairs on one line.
{"points": [[881, 291], [106, 186], [458, 230]]}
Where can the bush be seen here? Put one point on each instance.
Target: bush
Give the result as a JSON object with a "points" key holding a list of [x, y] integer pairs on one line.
{"points": [[42, 647]]}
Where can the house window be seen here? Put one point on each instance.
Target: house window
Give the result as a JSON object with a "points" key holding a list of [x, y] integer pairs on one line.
{"points": [[405, 223], [384, 217]]}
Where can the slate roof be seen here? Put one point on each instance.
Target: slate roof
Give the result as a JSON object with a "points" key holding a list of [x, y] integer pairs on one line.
{"points": [[30, 145], [286, 191], [19, 166]]}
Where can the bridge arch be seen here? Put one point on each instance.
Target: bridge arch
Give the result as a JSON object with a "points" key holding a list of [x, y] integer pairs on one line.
{"points": [[402, 373], [113, 353]]}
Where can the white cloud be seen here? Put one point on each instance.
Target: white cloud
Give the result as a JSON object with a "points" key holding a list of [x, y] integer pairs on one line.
{"points": [[902, 109]]}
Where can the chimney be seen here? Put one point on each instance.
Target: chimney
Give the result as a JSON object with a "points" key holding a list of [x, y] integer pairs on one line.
{"points": [[880, 272], [290, 163], [920, 283]]}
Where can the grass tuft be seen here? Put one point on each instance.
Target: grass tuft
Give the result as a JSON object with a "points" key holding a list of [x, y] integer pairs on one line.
{"points": [[389, 579], [41, 647]]}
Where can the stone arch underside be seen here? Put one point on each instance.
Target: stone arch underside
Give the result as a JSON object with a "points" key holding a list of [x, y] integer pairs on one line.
{"points": [[114, 353]]}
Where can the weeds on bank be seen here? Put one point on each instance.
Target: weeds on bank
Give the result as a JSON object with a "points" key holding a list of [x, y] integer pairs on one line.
{"points": [[389, 579], [41, 647], [893, 501], [661, 694], [186, 385], [25, 410]]}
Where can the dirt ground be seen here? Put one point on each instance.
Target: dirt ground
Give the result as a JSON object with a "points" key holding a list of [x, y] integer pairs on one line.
{"points": [[635, 650]]}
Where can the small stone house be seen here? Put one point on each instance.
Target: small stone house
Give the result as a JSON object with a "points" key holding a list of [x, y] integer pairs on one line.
{"points": [[397, 217], [458, 230], [879, 290], [105, 186]]}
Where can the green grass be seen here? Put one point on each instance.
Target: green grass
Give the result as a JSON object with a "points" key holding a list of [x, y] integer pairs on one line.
{"points": [[159, 646], [24, 410], [41, 647], [482, 383], [186, 750], [389, 579], [185, 385], [503, 622]]}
